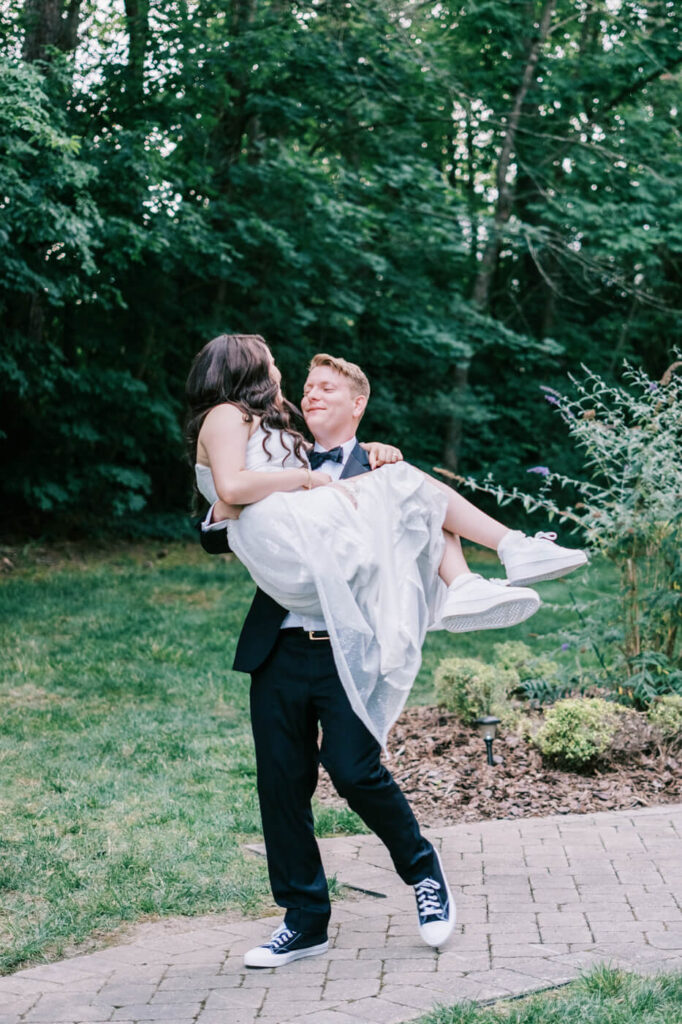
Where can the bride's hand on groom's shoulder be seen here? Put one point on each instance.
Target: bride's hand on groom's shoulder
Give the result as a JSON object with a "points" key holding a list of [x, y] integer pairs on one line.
{"points": [[382, 454]]}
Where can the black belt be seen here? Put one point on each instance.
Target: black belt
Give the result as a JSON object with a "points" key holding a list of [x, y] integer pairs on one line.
{"points": [[311, 634]]}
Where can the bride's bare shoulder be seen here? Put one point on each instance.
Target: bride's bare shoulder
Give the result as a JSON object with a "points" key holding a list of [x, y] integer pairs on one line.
{"points": [[227, 417], [225, 428], [224, 413]]}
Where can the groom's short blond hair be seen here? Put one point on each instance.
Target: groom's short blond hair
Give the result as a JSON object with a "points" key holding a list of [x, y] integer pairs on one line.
{"points": [[357, 380]]}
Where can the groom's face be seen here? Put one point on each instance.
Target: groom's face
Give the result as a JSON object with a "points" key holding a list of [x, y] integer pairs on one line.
{"points": [[330, 408]]}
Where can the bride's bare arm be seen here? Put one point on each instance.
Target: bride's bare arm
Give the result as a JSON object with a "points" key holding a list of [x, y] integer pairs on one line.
{"points": [[222, 446]]}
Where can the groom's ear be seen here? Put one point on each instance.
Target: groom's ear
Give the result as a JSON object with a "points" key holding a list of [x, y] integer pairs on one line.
{"points": [[359, 406]]}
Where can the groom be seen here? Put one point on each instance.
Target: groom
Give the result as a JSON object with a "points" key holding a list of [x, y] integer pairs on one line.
{"points": [[295, 689]]}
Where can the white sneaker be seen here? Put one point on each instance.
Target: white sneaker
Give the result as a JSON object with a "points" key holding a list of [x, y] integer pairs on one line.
{"points": [[284, 946], [473, 602], [533, 559]]}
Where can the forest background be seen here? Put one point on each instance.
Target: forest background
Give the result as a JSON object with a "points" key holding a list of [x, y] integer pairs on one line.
{"points": [[469, 199]]}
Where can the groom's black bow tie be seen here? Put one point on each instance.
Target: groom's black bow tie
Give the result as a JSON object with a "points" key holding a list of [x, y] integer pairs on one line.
{"points": [[317, 458]]}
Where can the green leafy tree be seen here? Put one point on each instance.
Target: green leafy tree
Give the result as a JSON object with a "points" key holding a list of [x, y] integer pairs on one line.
{"points": [[467, 199]]}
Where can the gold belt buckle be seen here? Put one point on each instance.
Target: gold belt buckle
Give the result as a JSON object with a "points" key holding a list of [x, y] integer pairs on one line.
{"points": [[312, 632]]}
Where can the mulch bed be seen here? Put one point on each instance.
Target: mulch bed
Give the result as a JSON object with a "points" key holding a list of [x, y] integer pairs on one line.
{"points": [[441, 767]]}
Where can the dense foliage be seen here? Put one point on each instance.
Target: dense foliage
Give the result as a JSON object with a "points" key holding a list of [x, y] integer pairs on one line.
{"points": [[466, 198], [627, 502]]}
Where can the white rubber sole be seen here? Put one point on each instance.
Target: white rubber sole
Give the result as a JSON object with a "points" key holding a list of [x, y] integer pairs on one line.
{"points": [[260, 957], [501, 615], [552, 569]]}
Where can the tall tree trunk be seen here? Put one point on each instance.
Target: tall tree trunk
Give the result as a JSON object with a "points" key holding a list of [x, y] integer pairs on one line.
{"points": [[137, 23], [549, 307], [471, 184], [454, 426], [49, 23], [42, 24], [235, 120], [487, 267], [505, 189]]}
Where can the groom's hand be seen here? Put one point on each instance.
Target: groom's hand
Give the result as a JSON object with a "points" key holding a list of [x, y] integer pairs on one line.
{"points": [[222, 511], [382, 454]]}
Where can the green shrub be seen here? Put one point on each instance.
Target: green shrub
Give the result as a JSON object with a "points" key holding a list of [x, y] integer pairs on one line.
{"points": [[470, 688], [518, 655], [666, 715], [540, 679], [578, 731]]}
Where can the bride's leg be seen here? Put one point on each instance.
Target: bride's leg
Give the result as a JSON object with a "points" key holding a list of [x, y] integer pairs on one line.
{"points": [[526, 559], [473, 602], [453, 563], [465, 520], [476, 603]]}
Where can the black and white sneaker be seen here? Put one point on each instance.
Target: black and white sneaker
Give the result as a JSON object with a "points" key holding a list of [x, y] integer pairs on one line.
{"points": [[435, 907], [284, 946]]}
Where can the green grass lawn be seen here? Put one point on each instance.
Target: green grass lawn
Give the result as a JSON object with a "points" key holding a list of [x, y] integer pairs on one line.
{"points": [[128, 779], [604, 996]]}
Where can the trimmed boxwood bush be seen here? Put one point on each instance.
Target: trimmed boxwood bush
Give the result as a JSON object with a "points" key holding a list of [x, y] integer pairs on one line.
{"points": [[470, 688], [578, 731]]}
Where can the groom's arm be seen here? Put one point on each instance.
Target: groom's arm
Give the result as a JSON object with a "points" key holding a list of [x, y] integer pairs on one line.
{"points": [[213, 528], [381, 454]]}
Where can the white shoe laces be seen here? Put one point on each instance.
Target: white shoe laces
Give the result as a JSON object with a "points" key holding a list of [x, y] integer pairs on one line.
{"points": [[427, 900], [279, 937], [547, 535]]}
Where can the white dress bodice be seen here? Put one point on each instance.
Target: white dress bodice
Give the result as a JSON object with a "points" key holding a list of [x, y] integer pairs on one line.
{"points": [[277, 454]]}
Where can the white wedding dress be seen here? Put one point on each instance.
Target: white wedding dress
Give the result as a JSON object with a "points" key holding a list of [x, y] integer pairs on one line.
{"points": [[363, 554]]}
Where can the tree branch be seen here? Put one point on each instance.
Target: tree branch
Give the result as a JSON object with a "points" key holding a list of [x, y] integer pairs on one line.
{"points": [[640, 84]]}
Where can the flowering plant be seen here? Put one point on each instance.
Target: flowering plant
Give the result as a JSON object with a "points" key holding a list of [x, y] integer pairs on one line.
{"points": [[629, 508]]}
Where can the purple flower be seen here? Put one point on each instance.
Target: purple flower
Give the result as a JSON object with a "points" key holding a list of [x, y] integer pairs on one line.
{"points": [[552, 399], [564, 647], [542, 470], [653, 386]]}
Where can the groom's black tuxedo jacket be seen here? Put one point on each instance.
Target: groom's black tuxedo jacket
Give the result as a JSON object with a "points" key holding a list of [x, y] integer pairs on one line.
{"points": [[264, 619]]}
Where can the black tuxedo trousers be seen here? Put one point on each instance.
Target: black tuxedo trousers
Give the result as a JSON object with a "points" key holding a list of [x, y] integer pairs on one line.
{"points": [[296, 688]]}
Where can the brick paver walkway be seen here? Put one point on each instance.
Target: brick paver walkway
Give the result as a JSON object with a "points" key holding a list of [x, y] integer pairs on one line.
{"points": [[538, 900]]}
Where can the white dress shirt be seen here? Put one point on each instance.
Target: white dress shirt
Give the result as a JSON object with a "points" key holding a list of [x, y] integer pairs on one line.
{"points": [[334, 470]]}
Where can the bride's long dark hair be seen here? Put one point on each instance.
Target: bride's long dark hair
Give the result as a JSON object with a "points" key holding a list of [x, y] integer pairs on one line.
{"points": [[235, 368]]}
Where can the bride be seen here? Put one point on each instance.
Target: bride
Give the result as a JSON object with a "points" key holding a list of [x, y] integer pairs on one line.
{"points": [[375, 556]]}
